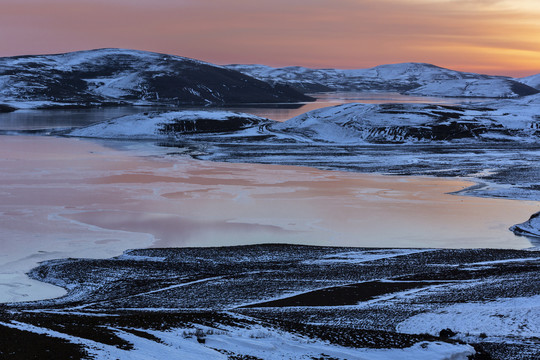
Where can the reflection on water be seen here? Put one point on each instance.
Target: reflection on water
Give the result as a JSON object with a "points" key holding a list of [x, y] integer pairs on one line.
{"points": [[55, 118], [337, 98], [71, 198], [64, 197]]}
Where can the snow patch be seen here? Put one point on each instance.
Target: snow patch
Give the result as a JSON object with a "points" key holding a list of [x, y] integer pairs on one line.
{"points": [[358, 257], [517, 316]]}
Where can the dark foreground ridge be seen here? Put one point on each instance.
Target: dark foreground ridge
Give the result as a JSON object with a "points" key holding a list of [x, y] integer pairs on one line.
{"points": [[107, 77], [356, 298]]}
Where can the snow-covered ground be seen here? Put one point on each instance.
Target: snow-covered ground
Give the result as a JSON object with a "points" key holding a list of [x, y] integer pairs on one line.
{"points": [[353, 123], [496, 88], [170, 125], [122, 76], [361, 256], [258, 342], [415, 78], [529, 228], [532, 81], [270, 302], [363, 123], [510, 317]]}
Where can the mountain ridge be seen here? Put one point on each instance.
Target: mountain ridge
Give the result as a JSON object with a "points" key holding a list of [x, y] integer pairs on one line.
{"points": [[532, 81], [111, 76], [410, 77]]}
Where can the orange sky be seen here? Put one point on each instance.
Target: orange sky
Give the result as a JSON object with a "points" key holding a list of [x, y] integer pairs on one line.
{"points": [[488, 36]]}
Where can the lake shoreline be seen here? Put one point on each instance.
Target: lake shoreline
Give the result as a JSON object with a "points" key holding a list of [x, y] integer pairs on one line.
{"points": [[362, 301], [86, 200]]}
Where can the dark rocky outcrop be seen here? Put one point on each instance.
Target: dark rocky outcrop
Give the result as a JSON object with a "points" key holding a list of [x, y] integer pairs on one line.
{"points": [[6, 108]]}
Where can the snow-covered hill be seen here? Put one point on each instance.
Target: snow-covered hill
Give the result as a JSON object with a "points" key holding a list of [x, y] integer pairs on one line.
{"points": [[532, 81], [172, 125], [347, 124], [489, 88], [398, 123], [416, 78], [112, 76]]}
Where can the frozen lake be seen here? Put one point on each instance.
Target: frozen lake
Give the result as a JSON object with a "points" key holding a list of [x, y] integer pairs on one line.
{"points": [[65, 197]]}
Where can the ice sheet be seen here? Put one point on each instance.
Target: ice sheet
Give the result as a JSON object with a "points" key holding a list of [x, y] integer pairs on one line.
{"points": [[75, 198]]}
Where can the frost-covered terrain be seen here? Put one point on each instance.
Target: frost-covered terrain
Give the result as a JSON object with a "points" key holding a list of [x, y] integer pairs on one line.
{"points": [[401, 123], [532, 81], [530, 228], [118, 76], [487, 319], [496, 142], [347, 124], [284, 302], [413, 78], [172, 125]]}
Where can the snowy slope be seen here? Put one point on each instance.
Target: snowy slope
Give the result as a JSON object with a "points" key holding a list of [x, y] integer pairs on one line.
{"points": [[516, 316], [128, 76], [428, 79], [396, 123], [353, 123], [532, 81], [529, 228], [255, 342], [489, 88], [167, 125]]}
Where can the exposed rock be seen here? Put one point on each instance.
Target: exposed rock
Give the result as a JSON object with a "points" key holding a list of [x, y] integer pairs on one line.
{"points": [[117, 76], [400, 123], [530, 228], [6, 108], [171, 125]]}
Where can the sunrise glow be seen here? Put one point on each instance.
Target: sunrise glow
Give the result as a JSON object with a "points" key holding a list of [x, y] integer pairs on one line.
{"points": [[489, 36]]}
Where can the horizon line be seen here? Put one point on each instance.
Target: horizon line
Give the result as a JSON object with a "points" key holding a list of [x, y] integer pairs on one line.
{"points": [[52, 53]]}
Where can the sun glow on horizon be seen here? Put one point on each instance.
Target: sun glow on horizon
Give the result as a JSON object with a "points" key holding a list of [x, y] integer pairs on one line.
{"points": [[490, 36]]}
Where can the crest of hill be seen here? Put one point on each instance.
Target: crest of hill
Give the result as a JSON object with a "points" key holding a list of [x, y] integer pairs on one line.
{"points": [[513, 120], [532, 81], [415, 78], [121, 76]]}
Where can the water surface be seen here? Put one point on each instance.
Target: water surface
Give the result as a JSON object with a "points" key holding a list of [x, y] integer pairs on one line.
{"points": [[58, 118], [62, 197]]}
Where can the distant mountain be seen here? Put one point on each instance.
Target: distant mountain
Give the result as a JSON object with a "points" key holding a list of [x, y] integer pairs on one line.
{"points": [[532, 81], [117, 76], [413, 78]]}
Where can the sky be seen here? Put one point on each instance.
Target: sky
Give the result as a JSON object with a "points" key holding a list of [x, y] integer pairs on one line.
{"points": [[487, 36]]}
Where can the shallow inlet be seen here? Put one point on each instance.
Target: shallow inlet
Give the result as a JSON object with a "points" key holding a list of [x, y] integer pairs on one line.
{"points": [[29, 119], [76, 198]]}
